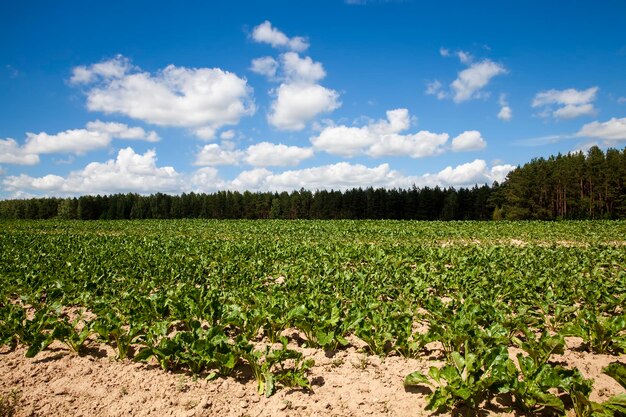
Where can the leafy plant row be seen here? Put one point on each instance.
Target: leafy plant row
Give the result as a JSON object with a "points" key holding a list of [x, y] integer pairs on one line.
{"points": [[203, 296]]}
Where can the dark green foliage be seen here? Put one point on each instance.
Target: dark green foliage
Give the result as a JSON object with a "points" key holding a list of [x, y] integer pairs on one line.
{"points": [[573, 186], [213, 297]]}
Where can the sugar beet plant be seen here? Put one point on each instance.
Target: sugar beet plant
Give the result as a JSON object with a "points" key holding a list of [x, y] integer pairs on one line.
{"points": [[210, 297]]}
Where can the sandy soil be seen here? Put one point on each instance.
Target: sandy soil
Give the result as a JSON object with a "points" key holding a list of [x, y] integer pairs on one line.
{"points": [[346, 383]]}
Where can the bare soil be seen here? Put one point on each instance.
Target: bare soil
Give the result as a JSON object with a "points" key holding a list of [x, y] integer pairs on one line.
{"points": [[344, 383]]}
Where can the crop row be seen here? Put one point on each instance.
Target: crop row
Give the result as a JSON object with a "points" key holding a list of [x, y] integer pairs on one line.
{"points": [[211, 296]]}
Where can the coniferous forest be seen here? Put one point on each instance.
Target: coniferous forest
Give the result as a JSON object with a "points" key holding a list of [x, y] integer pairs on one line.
{"points": [[572, 186]]}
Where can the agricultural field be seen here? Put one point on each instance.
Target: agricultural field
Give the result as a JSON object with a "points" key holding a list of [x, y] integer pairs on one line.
{"points": [[333, 318]]}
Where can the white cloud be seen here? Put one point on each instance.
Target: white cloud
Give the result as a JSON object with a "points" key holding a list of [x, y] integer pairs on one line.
{"points": [[417, 145], [262, 154], [206, 180], [505, 112], [77, 141], [611, 131], [343, 175], [300, 98], [566, 104], [227, 135], [301, 69], [205, 132], [122, 131], [499, 172], [380, 138], [465, 57], [106, 70], [298, 103], [338, 176], [621, 100], [97, 135], [469, 140], [466, 175], [472, 80], [435, 89], [214, 154], [266, 33], [175, 96], [129, 172], [266, 66], [268, 154], [344, 140], [12, 153], [571, 111], [254, 179]]}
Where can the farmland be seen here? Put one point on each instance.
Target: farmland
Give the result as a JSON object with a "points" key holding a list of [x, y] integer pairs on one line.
{"points": [[501, 317]]}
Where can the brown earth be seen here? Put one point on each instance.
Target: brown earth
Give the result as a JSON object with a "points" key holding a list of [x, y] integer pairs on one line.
{"points": [[347, 383]]}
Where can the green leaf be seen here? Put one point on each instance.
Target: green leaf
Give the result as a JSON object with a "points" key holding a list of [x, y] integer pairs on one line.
{"points": [[459, 362], [415, 379], [617, 371], [269, 384], [616, 404]]}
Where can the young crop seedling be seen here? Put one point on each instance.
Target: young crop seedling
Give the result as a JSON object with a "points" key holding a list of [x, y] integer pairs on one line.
{"points": [[466, 380], [270, 367], [601, 334]]}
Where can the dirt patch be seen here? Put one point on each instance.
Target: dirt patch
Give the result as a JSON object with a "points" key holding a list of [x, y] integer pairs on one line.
{"points": [[344, 383]]}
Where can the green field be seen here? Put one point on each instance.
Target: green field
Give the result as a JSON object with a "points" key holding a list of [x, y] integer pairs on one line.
{"points": [[208, 296]]}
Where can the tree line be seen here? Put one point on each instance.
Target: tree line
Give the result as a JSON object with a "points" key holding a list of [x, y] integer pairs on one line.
{"points": [[572, 186]]}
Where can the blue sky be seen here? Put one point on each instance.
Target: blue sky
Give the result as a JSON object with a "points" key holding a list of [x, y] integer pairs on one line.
{"points": [[155, 96]]}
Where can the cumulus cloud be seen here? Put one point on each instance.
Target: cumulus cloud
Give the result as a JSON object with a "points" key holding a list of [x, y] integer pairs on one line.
{"points": [[299, 69], [382, 138], [196, 98], [300, 97], [338, 176], [206, 180], [265, 154], [611, 132], [122, 131], [266, 66], [468, 174], [227, 135], [505, 112], [470, 140], [12, 153], [262, 154], [475, 172], [128, 172], [566, 104], [266, 33], [97, 135], [107, 70], [465, 57], [298, 103], [76, 141], [213, 154], [132, 172], [435, 88], [470, 82], [343, 175], [417, 145]]}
